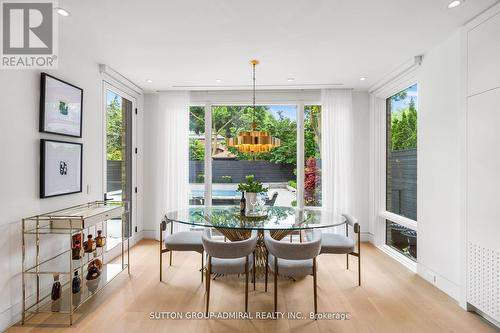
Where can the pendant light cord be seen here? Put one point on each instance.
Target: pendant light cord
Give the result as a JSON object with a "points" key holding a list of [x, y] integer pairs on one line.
{"points": [[253, 118]]}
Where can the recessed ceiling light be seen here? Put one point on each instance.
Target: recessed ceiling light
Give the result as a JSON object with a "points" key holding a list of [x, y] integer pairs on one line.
{"points": [[362, 78], [455, 3], [218, 80], [62, 11], [149, 81], [290, 79]]}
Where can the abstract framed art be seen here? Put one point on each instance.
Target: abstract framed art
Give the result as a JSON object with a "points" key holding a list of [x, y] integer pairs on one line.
{"points": [[61, 105], [60, 168]]}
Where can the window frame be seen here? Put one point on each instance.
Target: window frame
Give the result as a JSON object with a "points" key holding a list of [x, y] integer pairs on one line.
{"points": [[378, 170], [299, 104]]}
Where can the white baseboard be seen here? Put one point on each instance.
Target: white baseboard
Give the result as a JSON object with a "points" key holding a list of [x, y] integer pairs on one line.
{"points": [[149, 234], [449, 287]]}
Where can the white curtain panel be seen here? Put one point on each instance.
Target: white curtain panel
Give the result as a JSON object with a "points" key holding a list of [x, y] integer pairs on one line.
{"points": [[337, 144], [173, 147]]}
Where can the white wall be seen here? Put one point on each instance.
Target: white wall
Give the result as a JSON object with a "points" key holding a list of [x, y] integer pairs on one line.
{"points": [[439, 162], [19, 159]]}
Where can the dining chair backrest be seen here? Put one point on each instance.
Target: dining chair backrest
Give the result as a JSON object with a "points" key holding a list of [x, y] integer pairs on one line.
{"points": [[228, 250], [293, 251], [352, 221]]}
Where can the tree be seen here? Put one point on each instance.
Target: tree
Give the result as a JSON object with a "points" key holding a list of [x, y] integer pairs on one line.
{"points": [[404, 128], [196, 150], [114, 130]]}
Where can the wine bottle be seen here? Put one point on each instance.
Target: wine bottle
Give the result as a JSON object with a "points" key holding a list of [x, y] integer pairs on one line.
{"points": [[243, 203]]}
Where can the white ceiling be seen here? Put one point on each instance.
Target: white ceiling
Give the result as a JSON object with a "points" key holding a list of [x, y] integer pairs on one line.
{"points": [[179, 43]]}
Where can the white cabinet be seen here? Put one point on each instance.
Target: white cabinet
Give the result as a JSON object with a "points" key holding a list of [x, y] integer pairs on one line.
{"points": [[483, 167], [484, 56]]}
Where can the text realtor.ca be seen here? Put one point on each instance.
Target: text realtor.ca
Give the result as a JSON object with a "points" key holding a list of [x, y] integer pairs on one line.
{"points": [[166, 315]]}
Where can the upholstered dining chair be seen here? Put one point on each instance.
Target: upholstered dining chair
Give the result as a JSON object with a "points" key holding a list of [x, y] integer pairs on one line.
{"points": [[236, 257], [293, 260], [179, 241], [332, 243]]}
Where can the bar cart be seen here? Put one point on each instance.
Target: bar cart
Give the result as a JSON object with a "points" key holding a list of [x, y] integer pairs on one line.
{"points": [[50, 251]]}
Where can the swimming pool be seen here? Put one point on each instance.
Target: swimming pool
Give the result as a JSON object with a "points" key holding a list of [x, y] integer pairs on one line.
{"points": [[216, 193]]}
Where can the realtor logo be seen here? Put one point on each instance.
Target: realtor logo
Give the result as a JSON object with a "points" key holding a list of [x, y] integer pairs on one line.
{"points": [[28, 35]]}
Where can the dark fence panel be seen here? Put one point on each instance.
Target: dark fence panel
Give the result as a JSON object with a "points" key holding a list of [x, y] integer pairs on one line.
{"points": [[402, 183], [264, 171], [114, 176]]}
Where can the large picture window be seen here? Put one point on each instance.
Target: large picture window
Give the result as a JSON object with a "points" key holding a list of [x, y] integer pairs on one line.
{"points": [[276, 169], [401, 169]]}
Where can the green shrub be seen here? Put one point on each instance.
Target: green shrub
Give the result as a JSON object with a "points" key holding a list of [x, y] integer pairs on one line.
{"points": [[292, 183]]}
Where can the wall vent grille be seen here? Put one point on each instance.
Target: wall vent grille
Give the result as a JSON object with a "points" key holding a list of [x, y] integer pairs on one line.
{"points": [[483, 287]]}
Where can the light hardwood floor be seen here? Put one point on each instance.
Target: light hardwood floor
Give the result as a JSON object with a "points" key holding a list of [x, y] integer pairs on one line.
{"points": [[391, 299]]}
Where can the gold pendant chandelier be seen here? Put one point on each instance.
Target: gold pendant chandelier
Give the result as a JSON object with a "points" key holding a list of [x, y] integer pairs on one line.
{"points": [[254, 141]]}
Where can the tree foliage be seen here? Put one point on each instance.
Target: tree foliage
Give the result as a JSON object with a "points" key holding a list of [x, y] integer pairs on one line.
{"points": [[228, 121], [114, 130], [404, 127]]}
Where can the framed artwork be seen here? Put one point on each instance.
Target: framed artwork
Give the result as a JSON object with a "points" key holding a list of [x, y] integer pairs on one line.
{"points": [[61, 105], [60, 168]]}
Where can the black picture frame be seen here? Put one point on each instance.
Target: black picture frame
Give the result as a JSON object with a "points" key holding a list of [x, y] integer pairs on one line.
{"points": [[44, 127], [43, 168]]}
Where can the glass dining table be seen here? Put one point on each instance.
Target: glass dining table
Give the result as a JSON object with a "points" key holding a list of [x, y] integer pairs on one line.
{"points": [[280, 221]]}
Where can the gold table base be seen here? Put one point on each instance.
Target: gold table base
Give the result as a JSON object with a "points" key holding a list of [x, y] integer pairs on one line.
{"points": [[260, 250]]}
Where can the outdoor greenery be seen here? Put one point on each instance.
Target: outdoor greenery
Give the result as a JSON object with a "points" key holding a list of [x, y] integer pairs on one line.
{"points": [[114, 130], [251, 185], [404, 124], [228, 121]]}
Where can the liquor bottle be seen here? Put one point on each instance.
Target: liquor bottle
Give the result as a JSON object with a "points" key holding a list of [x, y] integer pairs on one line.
{"points": [[76, 284], [56, 288], [93, 272], [96, 262], [76, 250], [100, 240], [243, 203], [89, 244]]}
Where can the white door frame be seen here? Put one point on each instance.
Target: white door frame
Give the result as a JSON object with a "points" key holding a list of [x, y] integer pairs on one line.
{"points": [[133, 217]]}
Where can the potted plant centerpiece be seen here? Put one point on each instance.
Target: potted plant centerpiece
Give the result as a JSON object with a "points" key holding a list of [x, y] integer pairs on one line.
{"points": [[251, 187]]}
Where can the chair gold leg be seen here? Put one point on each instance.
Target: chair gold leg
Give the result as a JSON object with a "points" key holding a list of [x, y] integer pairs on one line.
{"points": [[347, 260], [359, 271], [170, 258], [202, 267], [359, 256], [161, 263], [253, 270], [246, 284], [267, 270], [315, 286], [275, 284], [209, 269], [300, 235]]}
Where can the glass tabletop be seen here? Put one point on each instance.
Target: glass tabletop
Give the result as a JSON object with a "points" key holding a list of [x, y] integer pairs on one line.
{"points": [[273, 218]]}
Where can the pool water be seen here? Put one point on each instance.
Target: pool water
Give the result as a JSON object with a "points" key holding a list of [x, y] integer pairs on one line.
{"points": [[216, 193]]}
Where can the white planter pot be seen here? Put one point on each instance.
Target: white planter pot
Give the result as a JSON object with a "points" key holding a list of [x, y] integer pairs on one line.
{"points": [[251, 198]]}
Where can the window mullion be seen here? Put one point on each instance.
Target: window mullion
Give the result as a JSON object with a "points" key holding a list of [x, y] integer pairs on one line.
{"points": [[208, 154], [300, 155]]}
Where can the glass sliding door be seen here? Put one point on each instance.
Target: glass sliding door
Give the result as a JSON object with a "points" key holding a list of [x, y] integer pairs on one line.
{"points": [[312, 155], [119, 160], [197, 155]]}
